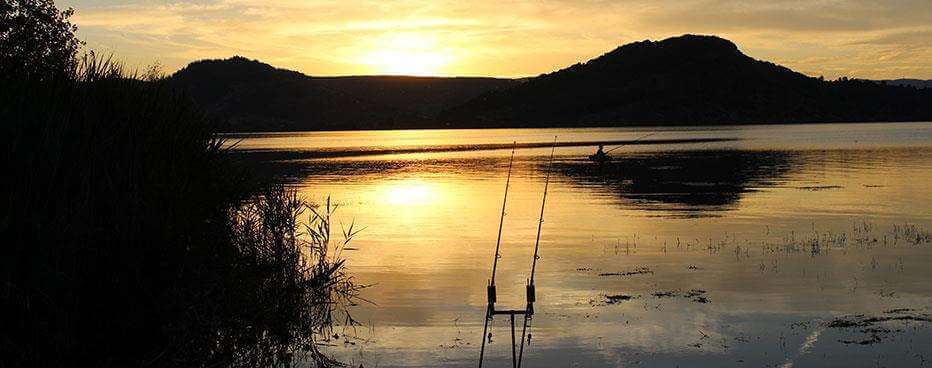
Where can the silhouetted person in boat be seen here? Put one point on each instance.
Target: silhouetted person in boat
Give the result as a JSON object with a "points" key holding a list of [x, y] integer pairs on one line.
{"points": [[599, 156]]}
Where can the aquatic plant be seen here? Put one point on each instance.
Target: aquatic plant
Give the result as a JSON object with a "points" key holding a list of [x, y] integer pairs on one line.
{"points": [[133, 238], [302, 290]]}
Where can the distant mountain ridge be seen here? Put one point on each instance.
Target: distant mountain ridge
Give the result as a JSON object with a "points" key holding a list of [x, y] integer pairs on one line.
{"points": [[681, 80], [254, 96], [425, 96], [687, 80], [906, 82]]}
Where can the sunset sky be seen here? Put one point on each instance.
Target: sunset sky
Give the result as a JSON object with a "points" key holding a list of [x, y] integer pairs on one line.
{"points": [[866, 39]]}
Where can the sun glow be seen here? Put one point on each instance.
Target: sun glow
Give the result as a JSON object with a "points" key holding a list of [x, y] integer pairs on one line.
{"points": [[410, 192], [406, 54]]}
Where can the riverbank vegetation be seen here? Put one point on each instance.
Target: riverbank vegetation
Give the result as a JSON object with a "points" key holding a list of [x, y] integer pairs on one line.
{"points": [[131, 236]]}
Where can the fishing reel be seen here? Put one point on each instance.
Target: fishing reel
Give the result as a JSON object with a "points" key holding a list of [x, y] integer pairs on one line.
{"points": [[530, 295], [531, 298]]}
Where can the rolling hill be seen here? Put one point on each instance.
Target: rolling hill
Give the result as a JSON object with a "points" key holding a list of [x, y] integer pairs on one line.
{"points": [[687, 80], [682, 80], [254, 96], [918, 83]]}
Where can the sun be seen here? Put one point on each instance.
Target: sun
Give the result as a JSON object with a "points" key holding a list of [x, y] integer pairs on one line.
{"points": [[406, 54]]}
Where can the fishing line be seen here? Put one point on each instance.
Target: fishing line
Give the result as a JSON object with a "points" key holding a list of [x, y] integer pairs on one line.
{"points": [[632, 142]]}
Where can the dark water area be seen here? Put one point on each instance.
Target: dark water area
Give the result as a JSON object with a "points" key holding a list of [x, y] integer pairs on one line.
{"points": [[717, 246], [689, 183]]}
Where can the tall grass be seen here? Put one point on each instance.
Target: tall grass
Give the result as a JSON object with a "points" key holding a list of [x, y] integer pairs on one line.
{"points": [[301, 271], [131, 238]]}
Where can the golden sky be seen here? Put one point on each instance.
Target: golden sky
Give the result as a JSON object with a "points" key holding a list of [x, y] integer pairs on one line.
{"points": [[859, 38]]}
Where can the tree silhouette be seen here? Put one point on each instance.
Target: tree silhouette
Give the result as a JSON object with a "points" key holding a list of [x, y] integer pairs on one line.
{"points": [[36, 38]]}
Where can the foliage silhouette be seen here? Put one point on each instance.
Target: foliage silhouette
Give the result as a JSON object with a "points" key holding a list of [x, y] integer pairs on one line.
{"points": [[36, 38], [133, 238]]}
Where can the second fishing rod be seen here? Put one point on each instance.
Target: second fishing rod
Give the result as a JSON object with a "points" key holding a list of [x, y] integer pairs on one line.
{"points": [[528, 311]]}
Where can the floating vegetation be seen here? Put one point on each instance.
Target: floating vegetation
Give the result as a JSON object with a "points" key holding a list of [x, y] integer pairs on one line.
{"points": [[864, 234], [816, 188], [614, 299], [861, 320], [636, 271], [874, 329], [696, 295], [911, 234]]}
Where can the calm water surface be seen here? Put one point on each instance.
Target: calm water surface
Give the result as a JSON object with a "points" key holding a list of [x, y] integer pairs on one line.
{"points": [[750, 247]]}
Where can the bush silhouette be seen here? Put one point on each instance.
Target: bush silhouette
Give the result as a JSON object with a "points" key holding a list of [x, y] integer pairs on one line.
{"points": [[133, 238], [36, 38]]}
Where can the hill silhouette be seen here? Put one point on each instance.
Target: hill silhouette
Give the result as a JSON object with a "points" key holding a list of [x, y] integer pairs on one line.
{"points": [[689, 79], [254, 96], [918, 83], [425, 96]]}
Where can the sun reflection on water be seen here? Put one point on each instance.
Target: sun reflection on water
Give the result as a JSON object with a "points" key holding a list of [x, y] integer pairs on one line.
{"points": [[431, 221], [410, 192]]}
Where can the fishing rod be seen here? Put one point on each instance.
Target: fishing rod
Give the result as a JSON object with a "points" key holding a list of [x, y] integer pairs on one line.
{"points": [[528, 311], [531, 293], [491, 288], [501, 220], [632, 142], [540, 223]]}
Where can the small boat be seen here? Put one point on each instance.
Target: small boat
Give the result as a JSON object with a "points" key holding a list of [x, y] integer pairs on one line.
{"points": [[599, 159]]}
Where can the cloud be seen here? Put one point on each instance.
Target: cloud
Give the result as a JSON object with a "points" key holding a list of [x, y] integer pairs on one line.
{"points": [[918, 38], [511, 38], [792, 15]]}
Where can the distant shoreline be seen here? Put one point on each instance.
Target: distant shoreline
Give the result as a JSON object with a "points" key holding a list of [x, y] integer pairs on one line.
{"points": [[683, 80], [657, 126], [278, 155]]}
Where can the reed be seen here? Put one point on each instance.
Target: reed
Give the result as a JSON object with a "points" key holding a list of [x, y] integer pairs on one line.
{"points": [[133, 238]]}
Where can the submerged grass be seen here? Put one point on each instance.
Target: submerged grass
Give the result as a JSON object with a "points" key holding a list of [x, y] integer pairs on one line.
{"points": [[132, 238]]}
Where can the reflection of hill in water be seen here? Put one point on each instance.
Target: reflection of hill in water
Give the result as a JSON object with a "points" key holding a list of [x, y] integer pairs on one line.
{"points": [[677, 184], [670, 184], [688, 183]]}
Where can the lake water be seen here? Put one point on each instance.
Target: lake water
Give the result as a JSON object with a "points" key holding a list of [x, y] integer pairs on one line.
{"points": [[719, 246]]}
